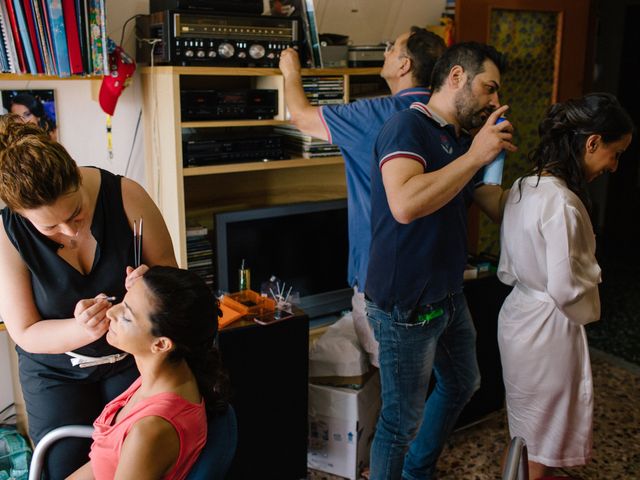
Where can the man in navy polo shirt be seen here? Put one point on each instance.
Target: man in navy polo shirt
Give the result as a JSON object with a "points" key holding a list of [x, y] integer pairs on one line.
{"points": [[354, 127], [424, 177]]}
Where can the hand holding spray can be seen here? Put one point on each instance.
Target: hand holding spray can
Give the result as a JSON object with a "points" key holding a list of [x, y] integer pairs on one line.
{"points": [[493, 171]]}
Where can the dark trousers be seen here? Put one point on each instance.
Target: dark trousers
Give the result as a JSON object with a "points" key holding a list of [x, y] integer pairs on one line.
{"points": [[55, 397]]}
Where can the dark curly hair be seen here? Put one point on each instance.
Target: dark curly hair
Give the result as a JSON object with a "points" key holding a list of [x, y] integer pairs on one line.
{"points": [[564, 132], [186, 311]]}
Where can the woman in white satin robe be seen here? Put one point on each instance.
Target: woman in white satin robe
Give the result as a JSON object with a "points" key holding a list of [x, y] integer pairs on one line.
{"points": [[548, 255]]}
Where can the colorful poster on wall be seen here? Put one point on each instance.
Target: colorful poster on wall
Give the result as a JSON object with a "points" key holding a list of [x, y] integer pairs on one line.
{"points": [[34, 106]]}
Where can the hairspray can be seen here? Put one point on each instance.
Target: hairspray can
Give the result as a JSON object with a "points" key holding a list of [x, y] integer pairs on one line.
{"points": [[493, 171]]}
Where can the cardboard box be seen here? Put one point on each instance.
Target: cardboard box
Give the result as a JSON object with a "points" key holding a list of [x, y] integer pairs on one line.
{"points": [[342, 422]]}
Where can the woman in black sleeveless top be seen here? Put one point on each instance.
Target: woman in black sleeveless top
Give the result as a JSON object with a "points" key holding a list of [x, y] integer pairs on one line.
{"points": [[66, 243]]}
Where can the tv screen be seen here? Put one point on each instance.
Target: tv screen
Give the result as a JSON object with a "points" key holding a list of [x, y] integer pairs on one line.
{"points": [[305, 245]]}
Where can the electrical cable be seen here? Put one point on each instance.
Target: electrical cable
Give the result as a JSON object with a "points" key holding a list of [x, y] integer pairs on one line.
{"points": [[133, 143], [125, 26]]}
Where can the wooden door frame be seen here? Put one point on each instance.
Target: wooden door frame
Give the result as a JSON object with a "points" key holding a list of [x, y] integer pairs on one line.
{"points": [[574, 59]]}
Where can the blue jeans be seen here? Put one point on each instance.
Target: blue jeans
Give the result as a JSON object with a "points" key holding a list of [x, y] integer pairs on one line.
{"points": [[411, 432]]}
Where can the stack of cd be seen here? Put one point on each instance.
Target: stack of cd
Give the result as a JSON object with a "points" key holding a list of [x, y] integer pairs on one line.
{"points": [[324, 90], [200, 254]]}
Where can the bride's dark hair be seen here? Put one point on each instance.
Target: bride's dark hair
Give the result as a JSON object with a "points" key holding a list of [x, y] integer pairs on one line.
{"points": [[186, 311], [563, 134]]}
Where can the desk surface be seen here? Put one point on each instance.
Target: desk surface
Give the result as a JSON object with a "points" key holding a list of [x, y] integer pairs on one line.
{"points": [[248, 321]]}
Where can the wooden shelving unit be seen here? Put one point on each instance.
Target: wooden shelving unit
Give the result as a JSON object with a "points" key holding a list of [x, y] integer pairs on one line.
{"points": [[28, 77], [196, 193]]}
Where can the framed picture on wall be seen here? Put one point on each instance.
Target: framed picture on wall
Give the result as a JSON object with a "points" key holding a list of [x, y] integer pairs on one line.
{"points": [[35, 106]]}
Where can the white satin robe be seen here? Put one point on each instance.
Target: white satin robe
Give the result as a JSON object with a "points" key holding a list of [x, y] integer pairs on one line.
{"points": [[548, 254]]}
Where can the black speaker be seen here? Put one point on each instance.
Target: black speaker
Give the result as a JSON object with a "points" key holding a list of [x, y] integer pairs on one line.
{"points": [[484, 298], [268, 372]]}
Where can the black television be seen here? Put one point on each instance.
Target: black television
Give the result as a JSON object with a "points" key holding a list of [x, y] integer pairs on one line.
{"points": [[305, 245]]}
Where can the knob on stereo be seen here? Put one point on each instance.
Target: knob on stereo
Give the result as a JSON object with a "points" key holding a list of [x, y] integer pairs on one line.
{"points": [[256, 51], [226, 50], [242, 54], [188, 53]]}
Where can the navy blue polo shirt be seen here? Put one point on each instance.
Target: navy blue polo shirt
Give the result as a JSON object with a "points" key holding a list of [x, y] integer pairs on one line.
{"points": [[423, 261], [354, 128]]}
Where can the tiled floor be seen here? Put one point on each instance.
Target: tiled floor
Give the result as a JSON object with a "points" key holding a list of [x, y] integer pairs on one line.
{"points": [[475, 453]]}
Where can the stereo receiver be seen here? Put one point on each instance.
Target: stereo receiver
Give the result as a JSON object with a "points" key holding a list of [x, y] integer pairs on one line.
{"points": [[206, 39], [203, 105], [232, 148]]}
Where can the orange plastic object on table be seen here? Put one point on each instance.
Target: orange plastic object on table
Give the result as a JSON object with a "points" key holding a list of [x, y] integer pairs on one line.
{"points": [[229, 315]]}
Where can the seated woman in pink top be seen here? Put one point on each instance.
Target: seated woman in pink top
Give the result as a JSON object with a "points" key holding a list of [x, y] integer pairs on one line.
{"points": [[167, 321]]}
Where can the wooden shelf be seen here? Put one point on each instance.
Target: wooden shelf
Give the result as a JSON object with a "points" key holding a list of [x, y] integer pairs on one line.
{"points": [[256, 72], [183, 193], [258, 166], [29, 77]]}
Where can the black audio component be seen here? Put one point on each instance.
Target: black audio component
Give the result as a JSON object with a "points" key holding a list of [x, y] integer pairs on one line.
{"points": [[202, 105], [218, 6], [205, 39], [216, 150]]}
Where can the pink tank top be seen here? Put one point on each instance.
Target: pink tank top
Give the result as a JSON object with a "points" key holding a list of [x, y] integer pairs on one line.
{"points": [[188, 419]]}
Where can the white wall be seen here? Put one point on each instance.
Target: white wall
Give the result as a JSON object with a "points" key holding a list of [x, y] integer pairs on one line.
{"points": [[82, 124], [369, 22]]}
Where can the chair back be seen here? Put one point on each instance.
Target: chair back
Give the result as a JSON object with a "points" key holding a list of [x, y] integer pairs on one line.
{"points": [[517, 465], [216, 456], [212, 463]]}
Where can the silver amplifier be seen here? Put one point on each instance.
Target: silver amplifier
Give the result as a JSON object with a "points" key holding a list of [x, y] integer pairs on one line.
{"points": [[366, 55], [205, 39]]}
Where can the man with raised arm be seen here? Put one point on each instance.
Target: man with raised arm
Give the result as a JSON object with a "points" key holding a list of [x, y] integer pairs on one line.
{"points": [[354, 127]]}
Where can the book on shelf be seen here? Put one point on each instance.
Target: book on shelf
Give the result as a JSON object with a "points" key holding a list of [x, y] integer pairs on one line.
{"points": [[7, 53], [15, 40], [73, 37], [83, 8], [33, 35], [43, 38], [95, 29], [59, 38], [44, 13], [53, 37], [24, 36]]}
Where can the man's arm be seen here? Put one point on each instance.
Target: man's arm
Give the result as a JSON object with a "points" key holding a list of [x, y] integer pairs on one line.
{"points": [[491, 200], [412, 194], [304, 116]]}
